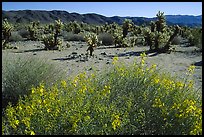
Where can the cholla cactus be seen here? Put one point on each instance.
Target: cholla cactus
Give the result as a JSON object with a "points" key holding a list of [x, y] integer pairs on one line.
{"points": [[51, 41], [153, 26], [149, 38], [76, 28], [127, 24], [161, 22], [92, 41], [33, 30], [48, 29], [167, 47], [118, 37], [6, 31], [133, 41], [160, 36]]}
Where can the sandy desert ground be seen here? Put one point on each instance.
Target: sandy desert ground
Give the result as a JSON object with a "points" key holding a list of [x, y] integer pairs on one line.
{"points": [[73, 60]]}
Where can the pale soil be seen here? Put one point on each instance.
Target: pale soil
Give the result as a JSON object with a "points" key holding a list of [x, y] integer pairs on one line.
{"points": [[176, 63]]}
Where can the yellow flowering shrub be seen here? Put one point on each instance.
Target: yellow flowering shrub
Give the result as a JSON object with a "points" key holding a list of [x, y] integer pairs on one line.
{"points": [[126, 100]]}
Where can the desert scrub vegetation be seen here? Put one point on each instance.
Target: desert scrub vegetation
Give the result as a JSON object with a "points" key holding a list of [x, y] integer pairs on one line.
{"points": [[20, 74], [15, 36], [106, 38], [129, 100], [69, 36]]}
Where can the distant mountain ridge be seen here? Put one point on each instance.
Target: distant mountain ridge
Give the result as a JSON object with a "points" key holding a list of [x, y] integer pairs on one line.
{"points": [[25, 16]]}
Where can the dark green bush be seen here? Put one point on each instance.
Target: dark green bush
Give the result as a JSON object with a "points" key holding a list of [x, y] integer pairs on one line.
{"points": [[176, 41], [23, 33], [69, 36], [195, 37], [15, 36], [106, 38]]}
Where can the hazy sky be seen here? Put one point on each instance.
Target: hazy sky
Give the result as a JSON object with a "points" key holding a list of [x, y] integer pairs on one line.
{"points": [[137, 9]]}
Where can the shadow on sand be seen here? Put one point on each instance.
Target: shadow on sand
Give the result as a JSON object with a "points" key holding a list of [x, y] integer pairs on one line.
{"points": [[199, 63], [31, 50]]}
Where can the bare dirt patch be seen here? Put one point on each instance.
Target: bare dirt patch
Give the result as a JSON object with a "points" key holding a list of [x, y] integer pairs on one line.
{"points": [[74, 59]]}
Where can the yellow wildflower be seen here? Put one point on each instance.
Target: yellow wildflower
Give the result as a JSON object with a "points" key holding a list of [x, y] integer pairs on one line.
{"points": [[143, 55], [191, 69], [32, 133], [16, 122], [116, 122], [115, 60], [48, 110], [64, 83], [86, 118]]}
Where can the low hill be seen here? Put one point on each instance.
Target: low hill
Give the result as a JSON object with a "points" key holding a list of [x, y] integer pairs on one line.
{"points": [[26, 16]]}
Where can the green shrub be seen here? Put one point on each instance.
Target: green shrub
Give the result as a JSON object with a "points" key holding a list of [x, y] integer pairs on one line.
{"points": [[20, 74], [176, 41], [15, 36], [69, 36], [195, 38], [106, 38], [23, 33], [133, 100]]}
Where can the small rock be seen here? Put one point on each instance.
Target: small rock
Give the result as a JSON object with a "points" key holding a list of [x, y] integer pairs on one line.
{"points": [[15, 47], [75, 53], [34, 54], [104, 53], [83, 59], [100, 58], [76, 48], [107, 62]]}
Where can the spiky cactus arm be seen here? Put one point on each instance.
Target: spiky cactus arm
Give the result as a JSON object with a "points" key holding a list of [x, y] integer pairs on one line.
{"points": [[6, 31], [161, 22], [33, 30], [58, 29], [127, 24], [152, 26], [167, 46]]}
